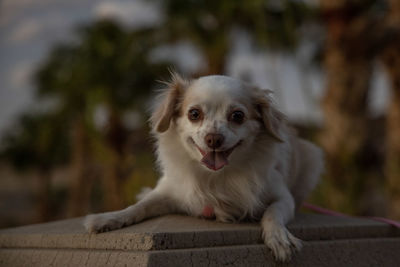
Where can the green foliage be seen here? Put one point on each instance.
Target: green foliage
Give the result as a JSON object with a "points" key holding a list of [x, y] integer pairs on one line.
{"points": [[39, 141], [110, 65], [272, 23], [143, 175]]}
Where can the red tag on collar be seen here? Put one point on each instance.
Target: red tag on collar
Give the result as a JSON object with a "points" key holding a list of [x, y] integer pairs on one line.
{"points": [[208, 212]]}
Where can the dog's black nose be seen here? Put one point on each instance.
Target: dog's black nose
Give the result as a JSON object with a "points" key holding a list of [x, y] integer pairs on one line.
{"points": [[214, 140]]}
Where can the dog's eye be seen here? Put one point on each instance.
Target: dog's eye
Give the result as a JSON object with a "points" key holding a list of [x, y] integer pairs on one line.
{"points": [[237, 116], [194, 114]]}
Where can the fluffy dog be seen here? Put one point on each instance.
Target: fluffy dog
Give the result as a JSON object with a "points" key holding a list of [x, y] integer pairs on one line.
{"points": [[225, 152]]}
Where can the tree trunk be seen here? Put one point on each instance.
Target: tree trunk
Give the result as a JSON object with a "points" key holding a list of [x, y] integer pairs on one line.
{"points": [[44, 192], [391, 60], [215, 54], [82, 175], [348, 67], [216, 64], [114, 178]]}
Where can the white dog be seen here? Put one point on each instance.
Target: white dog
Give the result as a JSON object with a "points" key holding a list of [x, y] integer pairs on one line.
{"points": [[224, 151]]}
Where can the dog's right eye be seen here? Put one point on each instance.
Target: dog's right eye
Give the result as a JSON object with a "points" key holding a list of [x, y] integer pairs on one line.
{"points": [[194, 114]]}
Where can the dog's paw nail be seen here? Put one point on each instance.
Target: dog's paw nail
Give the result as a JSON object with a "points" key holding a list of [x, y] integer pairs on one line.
{"points": [[99, 223], [281, 242]]}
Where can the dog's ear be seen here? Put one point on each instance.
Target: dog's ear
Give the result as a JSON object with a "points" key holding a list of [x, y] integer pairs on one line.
{"points": [[271, 117], [167, 104]]}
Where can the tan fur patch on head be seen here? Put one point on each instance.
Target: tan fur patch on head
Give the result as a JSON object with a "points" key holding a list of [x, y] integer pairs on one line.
{"points": [[271, 117], [168, 106]]}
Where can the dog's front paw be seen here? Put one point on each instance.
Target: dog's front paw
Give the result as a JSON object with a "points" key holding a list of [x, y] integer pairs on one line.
{"points": [[281, 242], [97, 223]]}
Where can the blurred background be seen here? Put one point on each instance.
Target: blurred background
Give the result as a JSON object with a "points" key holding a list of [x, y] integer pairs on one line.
{"points": [[76, 77]]}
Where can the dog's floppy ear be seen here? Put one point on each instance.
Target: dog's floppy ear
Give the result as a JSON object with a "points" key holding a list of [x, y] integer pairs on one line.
{"points": [[167, 106], [271, 117]]}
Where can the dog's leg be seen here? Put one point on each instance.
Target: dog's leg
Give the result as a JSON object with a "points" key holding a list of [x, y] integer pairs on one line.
{"points": [[275, 234], [152, 205], [311, 166]]}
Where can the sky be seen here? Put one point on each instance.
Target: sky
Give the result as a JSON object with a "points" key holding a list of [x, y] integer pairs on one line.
{"points": [[29, 29]]}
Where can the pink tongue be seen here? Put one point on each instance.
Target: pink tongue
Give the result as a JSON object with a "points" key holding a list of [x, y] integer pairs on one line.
{"points": [[215, 160]]}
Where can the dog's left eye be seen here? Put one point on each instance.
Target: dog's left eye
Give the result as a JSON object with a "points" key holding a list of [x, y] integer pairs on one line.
{"points": [[237, 116], [194, 114]]}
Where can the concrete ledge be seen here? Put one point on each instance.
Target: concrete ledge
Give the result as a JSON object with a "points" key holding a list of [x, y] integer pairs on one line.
{"points": [[183, 241]]}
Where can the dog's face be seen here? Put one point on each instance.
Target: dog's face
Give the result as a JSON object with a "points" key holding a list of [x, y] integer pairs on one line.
{"points": [[217, 118]]}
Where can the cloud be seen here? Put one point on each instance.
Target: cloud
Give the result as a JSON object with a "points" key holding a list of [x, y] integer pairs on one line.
{"points": [[184, 54], [136, 14], [24, 31], [380, 93], [21, 74], [10, 9]]}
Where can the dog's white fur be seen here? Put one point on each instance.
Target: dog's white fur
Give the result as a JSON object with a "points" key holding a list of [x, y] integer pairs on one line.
{"points": [[269, 174]]}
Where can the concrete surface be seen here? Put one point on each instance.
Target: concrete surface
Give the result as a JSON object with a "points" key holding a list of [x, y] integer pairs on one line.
{"points": [[176, 240]]}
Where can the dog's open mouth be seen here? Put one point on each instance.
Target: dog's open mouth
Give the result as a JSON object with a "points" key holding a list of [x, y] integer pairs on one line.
{"points": [[215, 160]]}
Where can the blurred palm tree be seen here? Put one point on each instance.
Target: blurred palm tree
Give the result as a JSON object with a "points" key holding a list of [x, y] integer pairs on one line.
{"points": [[391, 60], [348, 65], [208, 25], [39, 143], [108, 68], [357, 34]]}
